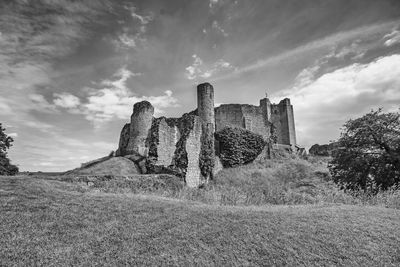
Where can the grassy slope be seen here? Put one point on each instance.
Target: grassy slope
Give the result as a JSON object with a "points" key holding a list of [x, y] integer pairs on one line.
{"points": [[46, 222]]}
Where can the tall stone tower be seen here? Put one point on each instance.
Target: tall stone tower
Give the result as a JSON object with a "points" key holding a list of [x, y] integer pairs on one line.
{"points": [[141, 121], [205, 106], [288, 131]]}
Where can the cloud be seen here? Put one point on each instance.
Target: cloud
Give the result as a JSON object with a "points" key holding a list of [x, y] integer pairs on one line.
{"points": [[66, 100], [324, 104], [215, 25], [328, 41], [13, 135], [113, 100], [354, 51], [143, 19], [193, 70], [213, 3], [52, 29], [133, 32], [392, 38], [218, 66], [198, 70], [5, 109], [127, 40], [41, 104]]}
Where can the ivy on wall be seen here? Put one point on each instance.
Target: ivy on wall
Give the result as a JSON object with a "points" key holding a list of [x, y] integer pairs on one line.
{"points": [[179, 164], [180, 160], [207, 154], [238, 146]]}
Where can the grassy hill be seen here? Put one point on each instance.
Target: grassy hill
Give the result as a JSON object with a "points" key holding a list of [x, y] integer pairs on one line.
{"points": [[50, 222]]}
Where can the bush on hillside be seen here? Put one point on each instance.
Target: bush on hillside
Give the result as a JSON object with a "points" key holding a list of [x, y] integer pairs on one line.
{"points": [[368, 156], [238, 146], [6, 168]]}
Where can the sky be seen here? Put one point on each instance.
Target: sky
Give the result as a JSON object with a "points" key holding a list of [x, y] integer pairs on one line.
{"points": [[71, 70]]}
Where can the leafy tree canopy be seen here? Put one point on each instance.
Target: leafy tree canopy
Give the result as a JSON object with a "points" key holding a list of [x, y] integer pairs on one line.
{"points": [[368, 154], [6, 168]]}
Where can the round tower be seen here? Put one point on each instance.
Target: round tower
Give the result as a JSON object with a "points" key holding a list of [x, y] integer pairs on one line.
{"points": [[205, 107], [141, 120], [205, 103]]}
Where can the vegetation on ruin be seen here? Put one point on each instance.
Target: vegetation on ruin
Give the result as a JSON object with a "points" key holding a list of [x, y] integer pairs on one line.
{"points": [[179, 164], [180, 159], [6, 168], [152, 140], [368, 154], [238, 146], [207, 154]]}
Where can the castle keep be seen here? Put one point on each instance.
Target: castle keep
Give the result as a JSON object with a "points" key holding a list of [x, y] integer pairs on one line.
{"points": [[186, 146]]}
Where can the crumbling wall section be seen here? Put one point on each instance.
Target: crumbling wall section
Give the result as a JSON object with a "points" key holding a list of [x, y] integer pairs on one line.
{"points": [[168, 136], [249, 117], [228, 115], [174, 146], [123, 140], [283, 120], [255, 121], [193, 147]]}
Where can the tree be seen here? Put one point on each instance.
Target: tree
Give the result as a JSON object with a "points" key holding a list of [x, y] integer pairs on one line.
{"points": [[6, 168], [368, 154]]}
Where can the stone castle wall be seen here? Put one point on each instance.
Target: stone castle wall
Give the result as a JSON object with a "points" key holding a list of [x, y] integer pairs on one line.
{"points": [[282, 118], [185, 146], [193, 147], [250, 117], [168, 136]]}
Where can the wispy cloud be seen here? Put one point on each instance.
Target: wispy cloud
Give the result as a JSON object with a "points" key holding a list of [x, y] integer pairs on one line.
{"points": [[217, 27], [328, 41], [322, 105], [65, 100], [113, 100], [199, 70], [392, 38], [43, 29], [133, 30], [194, 70], [33, 35]]}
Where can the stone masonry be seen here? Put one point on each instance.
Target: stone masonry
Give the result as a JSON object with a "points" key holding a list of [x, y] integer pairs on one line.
{"points": [[185, 146]]}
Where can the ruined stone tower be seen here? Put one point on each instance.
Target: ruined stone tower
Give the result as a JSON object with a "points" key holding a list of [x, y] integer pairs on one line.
{"points": [[205, 107], [282, 118], [141, 121], [185, 146]]}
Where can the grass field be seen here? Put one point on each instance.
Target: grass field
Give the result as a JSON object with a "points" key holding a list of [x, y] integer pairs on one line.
{"points": [[49, 222]]}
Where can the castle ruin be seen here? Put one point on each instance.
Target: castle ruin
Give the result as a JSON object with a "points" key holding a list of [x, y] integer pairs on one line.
{"points": [[187, 146]]}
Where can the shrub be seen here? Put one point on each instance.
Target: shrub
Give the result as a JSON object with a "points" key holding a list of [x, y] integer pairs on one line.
{"points": [[6, 168], [238, 146]]}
